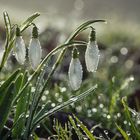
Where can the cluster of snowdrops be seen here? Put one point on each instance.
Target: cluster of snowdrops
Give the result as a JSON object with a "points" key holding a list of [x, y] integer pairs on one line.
{"points": [[75, 69]]}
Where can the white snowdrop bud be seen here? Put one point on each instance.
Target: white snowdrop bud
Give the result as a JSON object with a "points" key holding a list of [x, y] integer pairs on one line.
{"points": [[35, 51], [19, 49], [92, 53], [75, 71]]}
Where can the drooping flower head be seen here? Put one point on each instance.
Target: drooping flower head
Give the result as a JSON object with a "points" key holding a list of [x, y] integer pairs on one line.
{"points": [[35, 51], [75, 71], [92, 53], [19, 49]]}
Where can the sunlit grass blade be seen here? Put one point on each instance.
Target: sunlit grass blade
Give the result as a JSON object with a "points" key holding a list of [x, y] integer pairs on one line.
{"points": [[43, 114], [62, 132], [85, 130], [124, 134], [77, 130]]}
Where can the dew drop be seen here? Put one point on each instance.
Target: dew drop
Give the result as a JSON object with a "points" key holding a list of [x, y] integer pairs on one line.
{"points": [[38, 126], [78, 125], [74, 99], [125, 122], [106, 132], [128, 133], [108, 116], [53, 104], [94, 110], [91, 131], [100, 135], [101, 105]]}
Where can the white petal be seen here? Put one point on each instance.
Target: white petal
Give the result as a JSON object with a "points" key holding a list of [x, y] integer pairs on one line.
{"points": [[75, 73], [35, 52], [20, 50], [92, 56]]}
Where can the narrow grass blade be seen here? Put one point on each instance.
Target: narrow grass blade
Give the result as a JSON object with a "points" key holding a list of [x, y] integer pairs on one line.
{"points": [[43, 114], [124, 134], [7, 25], [77, 130], [85, 130]]}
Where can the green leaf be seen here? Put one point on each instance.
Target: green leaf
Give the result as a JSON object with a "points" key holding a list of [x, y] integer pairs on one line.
{"points": [[124, 134], [21, 108], [4, 86], [84, 128], [5, 106], [43, 114], [18, 83]]}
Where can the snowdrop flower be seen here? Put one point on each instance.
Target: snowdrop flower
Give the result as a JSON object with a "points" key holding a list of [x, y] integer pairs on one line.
{"points": [[92, 53], [19, 49], [35, 52], [75, 71]]}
